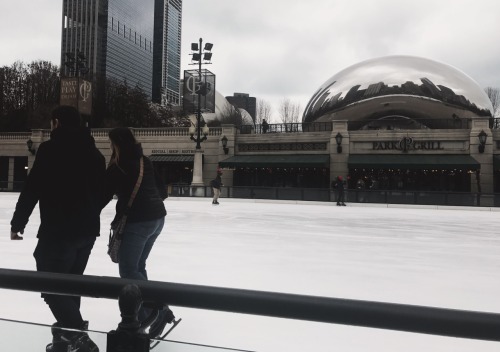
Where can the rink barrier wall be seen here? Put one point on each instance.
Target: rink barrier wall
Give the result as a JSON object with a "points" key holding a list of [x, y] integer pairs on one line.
{"points": [[352, 196], [359, 205], [290, 195], [381, 315]]}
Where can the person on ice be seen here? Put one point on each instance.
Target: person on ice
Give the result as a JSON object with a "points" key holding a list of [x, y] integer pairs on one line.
{"points": [[145, 218], [216, 184], [339, 187], [66, 180]]}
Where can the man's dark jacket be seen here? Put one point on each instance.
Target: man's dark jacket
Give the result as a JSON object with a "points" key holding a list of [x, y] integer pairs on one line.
{"points": [[66, 179], [216, 182]]}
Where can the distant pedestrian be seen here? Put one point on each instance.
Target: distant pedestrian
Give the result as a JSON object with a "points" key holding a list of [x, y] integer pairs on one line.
{"points": [[339, 187], [265, 126], [216, 184], [360, 187], [360, 184], [66, 181]]}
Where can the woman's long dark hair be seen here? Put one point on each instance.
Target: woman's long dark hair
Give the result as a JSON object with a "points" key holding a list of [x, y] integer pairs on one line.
{"points": [[124, 144]]}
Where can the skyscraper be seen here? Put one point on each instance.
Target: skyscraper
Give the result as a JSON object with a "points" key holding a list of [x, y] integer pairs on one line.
{"points": [[125, 40], [167, 51], [244, 101]]}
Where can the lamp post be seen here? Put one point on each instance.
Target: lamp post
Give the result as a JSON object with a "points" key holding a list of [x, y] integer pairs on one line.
{"points": [[338, 139], [29, 144], [482, 141], [201, 89], [224, 145]]}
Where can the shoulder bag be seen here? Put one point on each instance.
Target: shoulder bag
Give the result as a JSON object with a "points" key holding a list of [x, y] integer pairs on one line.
{"points": [[116, 232]]}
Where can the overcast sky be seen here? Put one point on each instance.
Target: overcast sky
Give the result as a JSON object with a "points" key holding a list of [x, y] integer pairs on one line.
{"points": [[275, 49]]}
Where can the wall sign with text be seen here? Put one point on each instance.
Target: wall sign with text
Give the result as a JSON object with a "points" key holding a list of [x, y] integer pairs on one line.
{"points": [[172, 151]]}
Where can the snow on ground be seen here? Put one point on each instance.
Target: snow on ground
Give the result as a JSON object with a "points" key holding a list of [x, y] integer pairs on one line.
{"points": [[414, 255]]}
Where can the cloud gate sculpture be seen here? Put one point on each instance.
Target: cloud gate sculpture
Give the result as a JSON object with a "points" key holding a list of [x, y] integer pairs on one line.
{"points": [[414, 92]]}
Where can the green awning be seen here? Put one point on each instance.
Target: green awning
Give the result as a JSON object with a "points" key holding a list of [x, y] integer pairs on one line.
{"points": [[172, 158], [300, 160], [412, 161]]}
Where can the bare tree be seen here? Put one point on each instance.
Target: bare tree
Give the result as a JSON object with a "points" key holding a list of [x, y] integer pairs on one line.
{"points": [[289, 112], [263, 111], [28, 94], [494, 95]]}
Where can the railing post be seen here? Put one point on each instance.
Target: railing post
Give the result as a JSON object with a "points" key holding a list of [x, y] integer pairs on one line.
{"points": [[128, 337]]}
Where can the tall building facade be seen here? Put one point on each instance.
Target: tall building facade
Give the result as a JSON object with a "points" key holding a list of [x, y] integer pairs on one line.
{"points": [[121, 40], [167, 52], [244, 101]]}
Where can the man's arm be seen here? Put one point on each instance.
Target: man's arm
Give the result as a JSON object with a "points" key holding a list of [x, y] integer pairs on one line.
{"points": [[29, 195]]}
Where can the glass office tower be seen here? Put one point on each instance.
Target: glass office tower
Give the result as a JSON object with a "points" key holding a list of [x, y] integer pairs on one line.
{"points": [[167, 52], [125, 40]]}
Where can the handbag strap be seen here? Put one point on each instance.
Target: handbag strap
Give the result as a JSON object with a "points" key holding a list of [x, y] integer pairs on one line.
{"points": [[137, 184]]}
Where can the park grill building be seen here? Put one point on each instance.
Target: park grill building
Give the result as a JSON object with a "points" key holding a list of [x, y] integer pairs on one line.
{"points": [[395, 123]]}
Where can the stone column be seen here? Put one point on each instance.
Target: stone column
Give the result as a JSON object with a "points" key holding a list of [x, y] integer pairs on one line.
{"points": [[198, 168], [230, 132], [338, 161], [37, 138], [483, 181], [10, 178]]}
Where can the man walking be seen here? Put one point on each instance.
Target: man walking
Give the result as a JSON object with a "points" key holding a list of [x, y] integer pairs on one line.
{"points": [[66, 180]]}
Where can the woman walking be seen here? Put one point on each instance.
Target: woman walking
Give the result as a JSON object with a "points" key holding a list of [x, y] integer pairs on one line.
{"points": [[145, 217]]}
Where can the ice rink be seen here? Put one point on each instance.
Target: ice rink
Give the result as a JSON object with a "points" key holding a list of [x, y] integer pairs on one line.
{"points": [[424, 256]]}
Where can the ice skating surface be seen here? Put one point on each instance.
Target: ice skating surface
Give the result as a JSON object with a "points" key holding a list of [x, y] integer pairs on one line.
{"points": [[414, 255]]}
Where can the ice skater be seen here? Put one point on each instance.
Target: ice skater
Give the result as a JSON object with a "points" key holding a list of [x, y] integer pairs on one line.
{"points": [[145, 218], [66, 180], [339, 186], [216, 184]]}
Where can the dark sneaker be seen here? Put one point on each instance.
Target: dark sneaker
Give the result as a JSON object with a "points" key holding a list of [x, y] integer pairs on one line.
{"points": [[165, 317]]}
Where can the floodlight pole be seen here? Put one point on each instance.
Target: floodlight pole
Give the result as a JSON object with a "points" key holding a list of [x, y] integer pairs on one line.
{"points": [[198, 115], [198, 155]]}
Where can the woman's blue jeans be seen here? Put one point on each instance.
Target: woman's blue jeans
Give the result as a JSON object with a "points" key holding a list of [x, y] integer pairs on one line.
{"points": [[137, 241]]}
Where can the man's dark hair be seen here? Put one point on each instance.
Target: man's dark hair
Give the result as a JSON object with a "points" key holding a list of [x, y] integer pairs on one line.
{"points": [[68, 116]]}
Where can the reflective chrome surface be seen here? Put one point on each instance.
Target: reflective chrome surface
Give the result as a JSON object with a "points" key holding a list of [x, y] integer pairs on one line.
{"points": [[398, 86]]}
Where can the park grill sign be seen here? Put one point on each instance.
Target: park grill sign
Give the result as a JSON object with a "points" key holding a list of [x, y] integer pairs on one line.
{"points": [[77, 92], [406, 144]]}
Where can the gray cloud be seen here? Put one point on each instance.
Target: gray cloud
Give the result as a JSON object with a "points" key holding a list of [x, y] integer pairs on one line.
{"points": [[282, 48]]}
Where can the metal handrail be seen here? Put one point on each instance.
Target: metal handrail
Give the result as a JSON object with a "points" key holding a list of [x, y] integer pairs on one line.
{"points": [[401, 317]]}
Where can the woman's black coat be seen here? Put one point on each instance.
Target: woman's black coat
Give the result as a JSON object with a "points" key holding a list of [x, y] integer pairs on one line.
{"points": [[121, 179]]}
